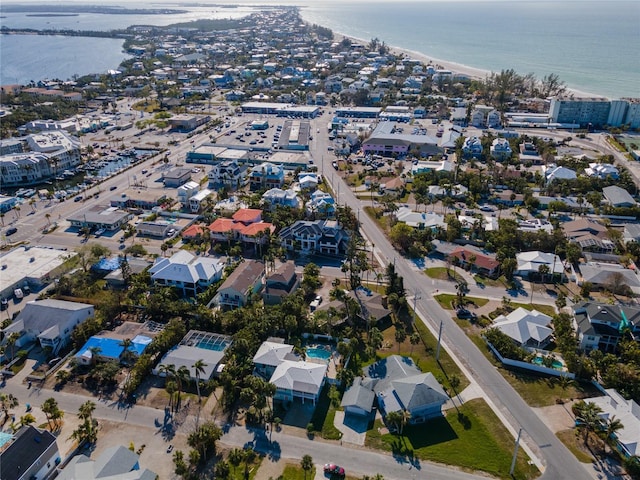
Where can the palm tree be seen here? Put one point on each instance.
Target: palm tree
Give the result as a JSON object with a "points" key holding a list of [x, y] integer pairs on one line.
{"points": [[307, 464], [588, 418], [198, 368], [126, 344], [414, 339], [48, 217], [11, 342], [182, 376], [394, 419], [611, 427], [51, 410], [7, 402], [86, 410]]}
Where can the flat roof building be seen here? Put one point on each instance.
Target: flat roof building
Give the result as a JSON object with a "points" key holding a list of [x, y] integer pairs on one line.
{"points": [[99, 217]]}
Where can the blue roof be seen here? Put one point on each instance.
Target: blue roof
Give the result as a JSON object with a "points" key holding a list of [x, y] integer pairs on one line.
{"points": [[112, 347], [107, 264]]}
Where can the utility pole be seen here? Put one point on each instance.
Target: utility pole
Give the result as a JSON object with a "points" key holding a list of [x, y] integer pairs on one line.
{"points": [[439, 340], [515, 453], [416, 297]]}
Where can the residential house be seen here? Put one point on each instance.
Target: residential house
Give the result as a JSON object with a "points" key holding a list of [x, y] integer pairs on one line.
{"points": [[472, 147], [600, 326], [590, 235], [271, 354], [104, 348], [114, 463], [618, 197], [247, 279], [325, 237], [266, 175], [197, 345], [358, 399], [186, 191], [553, 172], [308, 180], [602, 171], [393, 187], [30, 454], [530, 263], [284, 198], [631, 232], [628, 412], [420, 220], [293, 377], [607, 276], [400, 386], [194, 232], [321, 204], [50, 321], [500, 149], [246, 225], [195, 202], [527, 328], [226, 174], [474, 258], [187, 272], [284, 281], [425, 166]]}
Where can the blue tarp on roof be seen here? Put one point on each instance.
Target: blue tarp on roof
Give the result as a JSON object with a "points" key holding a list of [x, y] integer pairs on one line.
{"points": [[107, 264], [112, 348]]}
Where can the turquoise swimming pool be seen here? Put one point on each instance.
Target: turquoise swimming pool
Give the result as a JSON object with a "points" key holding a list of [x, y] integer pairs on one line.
{"points": [[555, 364], [4, 438], [319, 353]]}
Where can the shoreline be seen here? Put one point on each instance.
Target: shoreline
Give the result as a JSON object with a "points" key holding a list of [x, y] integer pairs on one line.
{"points": [[471, 72]]}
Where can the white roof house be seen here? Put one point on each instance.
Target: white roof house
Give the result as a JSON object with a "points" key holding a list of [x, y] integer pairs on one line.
{"points": [[272, 353], [420, 220], [554, 172], [299, 379], [115, 463], [618, 197], [601, 170], [186, 271], [628, 412], [50, 321], [530, 262], [526, 328]]}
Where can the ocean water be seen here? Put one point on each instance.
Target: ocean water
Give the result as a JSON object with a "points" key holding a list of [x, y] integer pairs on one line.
{"points": [[592, 45]]}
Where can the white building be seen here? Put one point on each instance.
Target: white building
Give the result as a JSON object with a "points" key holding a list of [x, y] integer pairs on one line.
{"points": [[49, 321], [602, 170], [500, 149], [530, 262], [195, 202], [526, 328], [188, 190], [553, 172], [187, 272]]}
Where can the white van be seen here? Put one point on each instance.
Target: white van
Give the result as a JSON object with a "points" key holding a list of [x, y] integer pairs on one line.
{"points": [[18, 293]]}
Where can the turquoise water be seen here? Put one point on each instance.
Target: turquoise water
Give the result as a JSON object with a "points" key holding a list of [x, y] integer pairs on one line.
{"points": [[592, 45], [555, 364], [216, 347], [4, 438], [319, 353]]}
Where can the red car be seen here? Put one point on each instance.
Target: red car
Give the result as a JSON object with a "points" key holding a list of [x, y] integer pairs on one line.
{"points": [[333, 469]]}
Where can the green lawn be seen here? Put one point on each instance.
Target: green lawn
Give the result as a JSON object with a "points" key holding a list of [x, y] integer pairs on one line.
{"points": [[445, 299], [575, 445], [323, 416], [539, 391], [500, 282], [475, 439], [546, 309], [295, 472], [442, 273], [237, 473]]}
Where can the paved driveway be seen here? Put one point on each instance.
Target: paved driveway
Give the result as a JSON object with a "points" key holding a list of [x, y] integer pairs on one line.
{"points": [[353, 428]]}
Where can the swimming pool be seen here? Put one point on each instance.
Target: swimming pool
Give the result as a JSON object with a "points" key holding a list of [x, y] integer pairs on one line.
{"points": [[216, 346], [319, 353], [558, 365], [4, 438]]}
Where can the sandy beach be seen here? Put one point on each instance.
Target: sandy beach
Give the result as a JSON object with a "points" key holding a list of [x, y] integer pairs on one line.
{"points": [[471, 72]]}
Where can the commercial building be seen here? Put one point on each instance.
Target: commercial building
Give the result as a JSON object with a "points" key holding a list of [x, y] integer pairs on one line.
{"points": [[99, 217], [385, 141], [187, 123], [596, 112], [34, 266], [176, 177]]}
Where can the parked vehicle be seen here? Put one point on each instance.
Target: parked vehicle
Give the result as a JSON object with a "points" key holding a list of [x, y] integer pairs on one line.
{"points": [[333, 469], [18, 293], [11, 231]]}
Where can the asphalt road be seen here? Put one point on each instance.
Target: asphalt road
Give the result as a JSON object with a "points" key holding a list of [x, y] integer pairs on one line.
{"points": [[558, 462]]}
